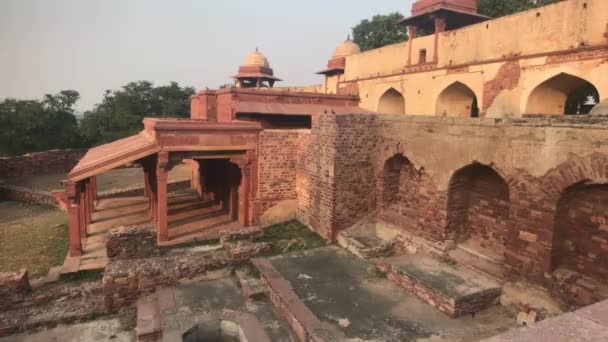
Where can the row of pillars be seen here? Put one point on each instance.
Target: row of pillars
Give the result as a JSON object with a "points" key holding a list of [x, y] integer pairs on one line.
{"points": [[81, 197], [440, 26]]}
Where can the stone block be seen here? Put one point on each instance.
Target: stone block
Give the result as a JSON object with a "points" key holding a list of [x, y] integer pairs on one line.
{"points": [[249, 233], [131, 242], [14, 286], [241, 251]]}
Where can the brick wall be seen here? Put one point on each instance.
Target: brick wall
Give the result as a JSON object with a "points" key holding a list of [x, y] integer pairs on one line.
{"points": [[581, 230], [40, 163], [506, 78], [479, 206], [339, 177], [277, 161]]}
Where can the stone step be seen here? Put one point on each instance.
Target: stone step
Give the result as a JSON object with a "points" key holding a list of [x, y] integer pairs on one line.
{"points": [[451, 288], [149, 326], [479, 264]]}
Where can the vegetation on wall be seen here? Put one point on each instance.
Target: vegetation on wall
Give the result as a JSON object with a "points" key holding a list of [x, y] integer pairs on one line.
{"points": [[51, 123], [499, 8], [381, 30]]}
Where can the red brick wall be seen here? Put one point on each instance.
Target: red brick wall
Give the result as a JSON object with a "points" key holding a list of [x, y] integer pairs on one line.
{"points": [[277, 162], [507, 78], [400, 188], [581, 230], [479, 206], [40, 163]]}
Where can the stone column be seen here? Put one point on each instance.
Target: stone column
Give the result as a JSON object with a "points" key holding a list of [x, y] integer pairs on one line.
{"points": [[412, 31], [244, 195], [161, 188], [88, 201], [82, 212], [439, 27], [93, 191], [73, 219]]}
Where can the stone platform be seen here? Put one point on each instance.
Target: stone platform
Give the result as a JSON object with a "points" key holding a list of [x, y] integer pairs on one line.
{"points": [[453, 289], [330, 292]]}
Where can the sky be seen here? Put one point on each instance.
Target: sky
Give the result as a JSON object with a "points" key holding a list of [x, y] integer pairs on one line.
{"points": [[92, 45]]}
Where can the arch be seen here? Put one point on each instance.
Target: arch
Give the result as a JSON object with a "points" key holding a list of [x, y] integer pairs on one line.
{"points": [[563, 94], [580, 230], [391, 102], [478, 208], [399, 187], [457, 100]]}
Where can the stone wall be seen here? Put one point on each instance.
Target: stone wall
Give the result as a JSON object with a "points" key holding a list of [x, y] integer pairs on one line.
{"points": [[339, 176], [14, 286], [27, 195], [131, 242], [40, 163]]}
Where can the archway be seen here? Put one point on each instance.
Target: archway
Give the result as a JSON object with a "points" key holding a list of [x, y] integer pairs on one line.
{"points": [[391, 102], [563, 94], [581, 230], [399, 192], [478, 209], [457, 100]]}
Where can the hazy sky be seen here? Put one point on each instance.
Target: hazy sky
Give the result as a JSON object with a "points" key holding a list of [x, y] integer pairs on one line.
{"points": [[93, 45]]}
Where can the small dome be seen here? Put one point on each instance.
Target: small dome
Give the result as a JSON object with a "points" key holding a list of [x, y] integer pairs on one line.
{"points": [[256, 59], [345, 49]]}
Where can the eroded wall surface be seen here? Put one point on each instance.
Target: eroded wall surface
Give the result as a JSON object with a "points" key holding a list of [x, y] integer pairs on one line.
{"points": [[341, 178]]}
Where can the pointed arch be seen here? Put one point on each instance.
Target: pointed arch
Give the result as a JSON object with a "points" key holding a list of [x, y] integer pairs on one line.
{"points": [[478, 207], [457, 100], [563, 94], [391, 102]]}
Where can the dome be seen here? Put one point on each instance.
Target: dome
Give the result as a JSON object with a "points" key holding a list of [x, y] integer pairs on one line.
{"points": [[256, 59], [346, 49]]}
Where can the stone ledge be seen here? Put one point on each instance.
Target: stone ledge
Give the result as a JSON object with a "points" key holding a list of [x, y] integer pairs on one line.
{"points": [[240, 234], [303, 322], [242, 251], [450, 288]]}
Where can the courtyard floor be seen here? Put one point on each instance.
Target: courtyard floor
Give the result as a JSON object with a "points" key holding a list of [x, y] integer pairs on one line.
{"points": [[33, 237], [344, 292]]}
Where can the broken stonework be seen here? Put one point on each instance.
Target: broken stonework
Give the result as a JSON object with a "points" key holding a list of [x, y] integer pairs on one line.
{"points": [[241, 251], [14, 286], [126, 280], [240, 234], [131, 242]]}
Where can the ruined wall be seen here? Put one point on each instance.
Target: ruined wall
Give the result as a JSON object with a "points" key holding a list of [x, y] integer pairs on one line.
{"points": [[340, 178], [40, 163], [279, 151]]}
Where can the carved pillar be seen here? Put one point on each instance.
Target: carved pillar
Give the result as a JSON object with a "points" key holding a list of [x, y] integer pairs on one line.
{"points": [[93, 191], [439, 27], [244, 195], [161, 188], [88, 201], [82, 209], [146, 182], [412, 31], [73, 219]]}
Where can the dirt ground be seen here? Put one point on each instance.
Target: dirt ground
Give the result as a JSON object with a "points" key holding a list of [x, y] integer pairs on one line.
{"points": [[111, 180], [33, 236]]}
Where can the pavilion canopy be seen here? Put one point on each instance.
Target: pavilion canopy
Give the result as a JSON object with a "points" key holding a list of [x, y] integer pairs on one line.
{"points": [[106, 157]]}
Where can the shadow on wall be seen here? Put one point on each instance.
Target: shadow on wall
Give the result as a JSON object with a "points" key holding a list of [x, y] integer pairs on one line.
{"points": [[563, 94]]}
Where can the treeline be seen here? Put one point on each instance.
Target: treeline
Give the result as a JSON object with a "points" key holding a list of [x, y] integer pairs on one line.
{"points": [[51, 123]]}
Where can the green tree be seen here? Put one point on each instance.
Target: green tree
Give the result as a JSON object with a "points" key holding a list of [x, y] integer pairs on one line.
{"points": [[33, 125], [381, 30], [499, 8], [121, 112]]}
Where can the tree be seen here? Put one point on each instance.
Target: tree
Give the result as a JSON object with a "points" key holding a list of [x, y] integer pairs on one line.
{"points": [[381, 30], [499, 8], [121, 112], [33, 125]]}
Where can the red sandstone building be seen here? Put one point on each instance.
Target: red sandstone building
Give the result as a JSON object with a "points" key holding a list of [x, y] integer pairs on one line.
{"points": [[530, 191]]}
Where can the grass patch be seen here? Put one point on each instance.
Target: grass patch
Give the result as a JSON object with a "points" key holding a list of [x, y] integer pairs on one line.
{"points": [[33, 237], [82, 277], [290, 237]]}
